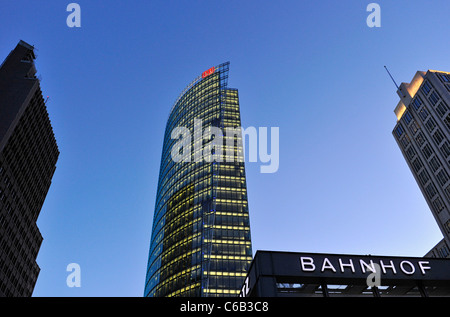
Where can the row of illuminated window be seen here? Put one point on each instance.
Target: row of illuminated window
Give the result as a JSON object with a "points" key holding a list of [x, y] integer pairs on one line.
{"points": [[227, 241], [224, 285], [222, 292], [197, 151], [226, 234], [191, 98], [169, 261], [190, 224], [185, 114], [190, 234], [226, 246], [222, 272], [232, 193], [186, 174], [169, 168], [179, 282], [202, 87], [229, 211], [192, 290]]}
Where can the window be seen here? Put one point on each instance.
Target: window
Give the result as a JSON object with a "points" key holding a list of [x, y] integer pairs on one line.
{"points": [[447, 191], [430, 124], [408, 117], [417, 102], [410, 153], [434, 163], [438, 204], [420, 139], [423, 114], [443, 251], [445, 148], [447, 226], [399, 131], [414, 127], [438, 137], [417, 164], [442, 177], [441, 109], [427, 151], [447, 121], [426, 87], [444, 77], [430, 190], [405, 141], [424, 177], [434, 98]]}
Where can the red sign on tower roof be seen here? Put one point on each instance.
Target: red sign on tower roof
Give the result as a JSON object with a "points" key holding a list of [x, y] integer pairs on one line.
{"points": [[208, 72]]}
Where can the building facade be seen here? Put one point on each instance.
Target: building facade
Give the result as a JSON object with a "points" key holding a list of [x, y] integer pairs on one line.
{"points": [[28, 156], [422, 132], [200, 243]]}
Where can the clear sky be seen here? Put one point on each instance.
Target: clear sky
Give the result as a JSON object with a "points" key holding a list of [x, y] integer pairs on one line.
{"points": [[312, 68]]}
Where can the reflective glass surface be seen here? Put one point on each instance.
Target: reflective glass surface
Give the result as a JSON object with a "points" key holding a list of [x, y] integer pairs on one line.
{"points": [[200, 243]]}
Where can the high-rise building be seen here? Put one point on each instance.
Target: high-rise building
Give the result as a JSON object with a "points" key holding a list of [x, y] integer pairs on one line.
{"points": [[423, 134], [28, 154], [200, 242]]}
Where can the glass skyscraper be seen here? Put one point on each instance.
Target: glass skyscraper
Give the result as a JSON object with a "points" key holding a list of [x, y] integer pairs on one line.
{"points": [[200, 243]]}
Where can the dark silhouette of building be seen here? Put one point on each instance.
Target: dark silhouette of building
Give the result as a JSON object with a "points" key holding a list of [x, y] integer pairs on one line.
{"points": [[28, 154]]}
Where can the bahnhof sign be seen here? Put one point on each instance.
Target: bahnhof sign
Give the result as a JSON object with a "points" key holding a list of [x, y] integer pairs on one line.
{"points": [[289, 274]]}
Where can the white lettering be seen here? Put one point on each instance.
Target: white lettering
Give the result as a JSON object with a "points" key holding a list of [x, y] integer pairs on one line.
{"points": [[342, 265], [327, 265], [423, 268], [412, 269], [383, 266], [307, 264], [364, 265]]}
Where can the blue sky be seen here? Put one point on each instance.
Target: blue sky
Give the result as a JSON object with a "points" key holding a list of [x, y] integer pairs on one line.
{"points": [[312, 68]]}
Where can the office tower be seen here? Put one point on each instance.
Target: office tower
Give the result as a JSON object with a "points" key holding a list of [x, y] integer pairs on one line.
{"points": [[28, 154], [423, 134], [200, 242]]}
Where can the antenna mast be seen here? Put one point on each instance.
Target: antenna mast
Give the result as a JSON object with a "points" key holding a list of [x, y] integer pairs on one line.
{"points": [[391, 77]]}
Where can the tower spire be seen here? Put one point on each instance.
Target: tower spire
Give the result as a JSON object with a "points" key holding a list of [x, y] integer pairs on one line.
{"points": [[391, 77]]}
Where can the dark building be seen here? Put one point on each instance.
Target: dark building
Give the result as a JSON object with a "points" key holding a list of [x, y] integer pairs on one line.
{"points": [[292, 274], [200, 242], [28, 154]]}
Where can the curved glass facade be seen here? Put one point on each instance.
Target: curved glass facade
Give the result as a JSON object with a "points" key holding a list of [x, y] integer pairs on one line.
{"points": [[200, 243]]}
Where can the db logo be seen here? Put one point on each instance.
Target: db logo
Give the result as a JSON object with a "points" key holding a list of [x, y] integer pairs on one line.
{"points": [[208, 72]]}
